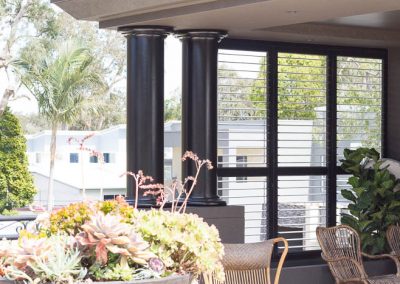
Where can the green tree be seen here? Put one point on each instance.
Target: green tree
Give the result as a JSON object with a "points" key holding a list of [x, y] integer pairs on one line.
{"points": [[32, 123], [302, 94], [16, 183], [21, 23], [301, 86], [61, 81], [172, 109], [106, 105], [233, 95]]}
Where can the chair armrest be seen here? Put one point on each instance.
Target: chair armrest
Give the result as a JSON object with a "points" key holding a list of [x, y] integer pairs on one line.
{"points": [[382, 256], [361, 270], [283, 256]]}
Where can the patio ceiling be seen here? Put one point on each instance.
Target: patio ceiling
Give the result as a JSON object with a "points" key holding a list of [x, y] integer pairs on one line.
{"points": [[365, 22]]}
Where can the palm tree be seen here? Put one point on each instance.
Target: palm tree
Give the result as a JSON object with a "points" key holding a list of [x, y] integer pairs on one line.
{"points": [[60, 81]]}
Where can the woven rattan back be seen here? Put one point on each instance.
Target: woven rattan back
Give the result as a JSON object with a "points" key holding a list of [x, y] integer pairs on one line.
{"points": [[393, 238], [341, 249], [250, 263]]}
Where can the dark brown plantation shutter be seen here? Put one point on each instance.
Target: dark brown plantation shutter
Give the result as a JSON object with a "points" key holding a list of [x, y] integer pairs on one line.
{"points": [[359, 111], [242, 135], [302, 92]]}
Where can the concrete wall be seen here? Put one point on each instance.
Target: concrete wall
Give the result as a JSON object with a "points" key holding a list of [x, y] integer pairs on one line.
{"points": [[65, 194], [62, 191], [393, 111], [320, 274], [228, 219]]}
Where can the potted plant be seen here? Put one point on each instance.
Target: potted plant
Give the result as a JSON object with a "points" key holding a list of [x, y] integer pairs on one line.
{"points": [[374, 198], [113, 241]]}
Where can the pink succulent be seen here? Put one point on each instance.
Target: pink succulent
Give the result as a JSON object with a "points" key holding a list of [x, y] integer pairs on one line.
{"points": [[108, 233]]}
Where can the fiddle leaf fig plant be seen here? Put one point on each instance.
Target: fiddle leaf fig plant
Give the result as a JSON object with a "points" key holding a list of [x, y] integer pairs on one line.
{"points": [[374, 201]]}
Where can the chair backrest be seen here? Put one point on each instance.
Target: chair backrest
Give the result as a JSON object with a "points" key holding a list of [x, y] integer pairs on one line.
{"points": [[393, 238], [341, 248], [251, 263]]}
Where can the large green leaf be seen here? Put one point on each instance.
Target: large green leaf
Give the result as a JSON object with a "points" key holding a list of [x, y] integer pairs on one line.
{"points": [[350, 220], [349, 195]]}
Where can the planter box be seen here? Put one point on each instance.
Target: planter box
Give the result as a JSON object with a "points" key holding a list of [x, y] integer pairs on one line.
{"points": [[179, 279]]}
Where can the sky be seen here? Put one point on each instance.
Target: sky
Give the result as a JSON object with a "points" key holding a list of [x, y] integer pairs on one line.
{"points": [[172, 79]]}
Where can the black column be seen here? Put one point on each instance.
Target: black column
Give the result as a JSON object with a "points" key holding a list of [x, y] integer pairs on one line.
{"points": [[145, 105], [199, 108]]}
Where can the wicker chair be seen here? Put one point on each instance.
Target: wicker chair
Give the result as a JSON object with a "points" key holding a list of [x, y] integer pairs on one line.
{"points": [[393, 237], [341, 250], [250, 263]]}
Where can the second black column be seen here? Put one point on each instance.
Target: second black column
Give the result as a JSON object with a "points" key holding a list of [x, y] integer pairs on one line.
{"points": [[199, 108]]}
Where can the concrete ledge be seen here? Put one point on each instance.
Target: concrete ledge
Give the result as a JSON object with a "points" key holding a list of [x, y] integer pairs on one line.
{"points": [[320, 274], [228, 219]]}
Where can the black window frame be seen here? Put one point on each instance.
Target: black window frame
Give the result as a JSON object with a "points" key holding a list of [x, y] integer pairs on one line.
{"points": [[331, 170]]}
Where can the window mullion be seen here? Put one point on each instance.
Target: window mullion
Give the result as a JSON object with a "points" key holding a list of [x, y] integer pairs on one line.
{"points": [[331, 139], [384, 106], [272, 143]]}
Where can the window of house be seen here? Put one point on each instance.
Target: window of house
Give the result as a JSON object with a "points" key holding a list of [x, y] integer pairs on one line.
{"points": [[109, 158], [168, 169], [112, 196], [74, 158], [241, 162], [93, 159], [291, 111], [38, 158]]}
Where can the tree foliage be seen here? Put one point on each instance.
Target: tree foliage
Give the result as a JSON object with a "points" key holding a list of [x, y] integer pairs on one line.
{"points": [[106, 105], [61, 82], [172, 109], [302, 92], [16, 183], [235, 103], [32, 123], [374, 202], [21, 23]]}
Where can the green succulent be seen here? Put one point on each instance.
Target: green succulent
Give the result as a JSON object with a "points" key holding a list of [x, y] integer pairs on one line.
{"points": [[184, 242]]}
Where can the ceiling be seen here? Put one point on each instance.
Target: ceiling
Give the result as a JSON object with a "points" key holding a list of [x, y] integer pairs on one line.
{"points": [[381, 20], [374, 23]]}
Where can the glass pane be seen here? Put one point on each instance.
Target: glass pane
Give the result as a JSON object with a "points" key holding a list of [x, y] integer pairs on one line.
{"points": [[301, 209], [342, 203], [253, 196], [301, 110], [242, 108], [359, 103]]}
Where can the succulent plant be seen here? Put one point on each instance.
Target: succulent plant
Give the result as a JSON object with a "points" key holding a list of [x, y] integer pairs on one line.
{"points": [[55, 259], [107, 233], [185, 243], [25, 250]]}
